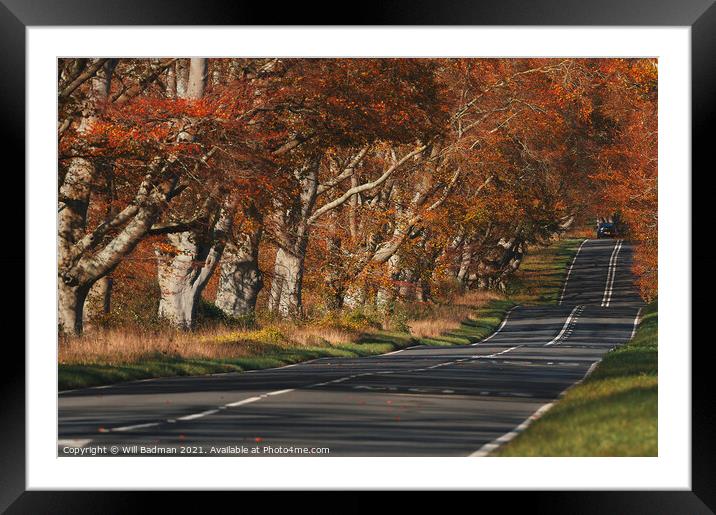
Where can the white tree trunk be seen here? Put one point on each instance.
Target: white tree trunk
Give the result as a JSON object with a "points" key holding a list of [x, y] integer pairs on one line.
{"points": [[287, 284], [386, 294], [183, 273], [241, 280], [197, 78], [74, 198], [71, 299], [182, 278], [465, 262]]}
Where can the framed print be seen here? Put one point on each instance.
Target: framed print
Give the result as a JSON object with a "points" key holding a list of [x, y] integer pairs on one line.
{"points": [[423, 251]]}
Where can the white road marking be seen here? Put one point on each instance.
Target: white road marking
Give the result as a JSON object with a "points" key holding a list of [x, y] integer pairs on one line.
{"points": [[73, 443], [636, 324], [136, 426], [242, 402], [569, 272], [566, 325], [504, 321], [394, 352], [497, 442], [494, 444], [498, 353], [280, 392], [614, 274], [199, 415], [611, 274]]}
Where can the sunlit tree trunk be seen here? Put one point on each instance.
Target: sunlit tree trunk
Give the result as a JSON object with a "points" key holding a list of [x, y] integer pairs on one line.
{"points": [[183, 271], [465, 261], [74, 198]]}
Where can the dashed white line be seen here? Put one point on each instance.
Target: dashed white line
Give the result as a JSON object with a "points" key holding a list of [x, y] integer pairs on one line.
{"points": [[198, 415], [136, 426], [569, 272], [494, 444], [242, 402], [280, 392]]}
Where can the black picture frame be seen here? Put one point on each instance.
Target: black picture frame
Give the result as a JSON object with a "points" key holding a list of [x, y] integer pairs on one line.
{"points": [[17, 15]]}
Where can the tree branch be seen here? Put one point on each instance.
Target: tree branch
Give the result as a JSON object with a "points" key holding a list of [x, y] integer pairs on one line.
{"points": [[364, 187]]}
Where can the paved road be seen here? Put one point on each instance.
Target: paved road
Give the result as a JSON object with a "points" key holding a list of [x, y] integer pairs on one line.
{"points": [[422, 401]]}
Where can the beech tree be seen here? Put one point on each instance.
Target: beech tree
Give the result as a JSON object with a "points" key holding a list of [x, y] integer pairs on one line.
{"points": [[374, 178], [86, 255]]}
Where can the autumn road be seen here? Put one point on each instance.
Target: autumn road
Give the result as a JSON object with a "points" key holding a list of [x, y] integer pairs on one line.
{"points": [[422, 401]]}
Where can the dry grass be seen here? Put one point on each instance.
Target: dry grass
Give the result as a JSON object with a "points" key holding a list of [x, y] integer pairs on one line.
{"points": [[448, 317], [116, 346], [127, 346], [317, 335]]}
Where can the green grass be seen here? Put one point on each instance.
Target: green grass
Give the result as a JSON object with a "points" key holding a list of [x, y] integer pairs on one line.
{"points": [[541, 276], [612, 413], [538, 281]]}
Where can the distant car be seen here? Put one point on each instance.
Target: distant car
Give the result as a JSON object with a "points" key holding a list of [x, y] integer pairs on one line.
{"points": [[607, 230]]}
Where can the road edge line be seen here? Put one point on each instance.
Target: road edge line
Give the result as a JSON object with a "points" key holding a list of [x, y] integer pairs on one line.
{"points": [[504, 322], [569, 272], [487, 448]]}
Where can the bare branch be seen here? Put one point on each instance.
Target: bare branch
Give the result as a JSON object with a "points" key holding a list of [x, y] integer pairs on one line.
{"points": [[367, 186]]}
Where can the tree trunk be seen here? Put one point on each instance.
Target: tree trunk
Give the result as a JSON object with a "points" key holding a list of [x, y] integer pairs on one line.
{"points": [[71, 299], [465, 262], [98, 301], [354, 296], [183, 273], [181, 280], [181, 77], [386, 293], [74, 198], [241, 280], [287, 283]]}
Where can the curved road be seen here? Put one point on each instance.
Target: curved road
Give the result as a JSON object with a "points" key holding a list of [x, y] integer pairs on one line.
{"points": [[421, 401]]}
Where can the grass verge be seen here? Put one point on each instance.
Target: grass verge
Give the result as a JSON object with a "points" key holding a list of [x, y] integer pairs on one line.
{"points": [[612, 413], [107, 358], [257, 350]]}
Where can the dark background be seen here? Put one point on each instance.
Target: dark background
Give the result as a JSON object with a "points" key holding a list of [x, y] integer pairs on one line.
{"points": [[15, 15]]}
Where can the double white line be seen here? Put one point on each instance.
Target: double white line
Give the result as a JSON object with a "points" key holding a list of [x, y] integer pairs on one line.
{"points": [[568, 325], [611, 274]]}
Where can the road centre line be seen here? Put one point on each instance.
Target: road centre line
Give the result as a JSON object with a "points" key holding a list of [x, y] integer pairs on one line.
{"points": [[611, 274], [614, 274], [572, 316]]}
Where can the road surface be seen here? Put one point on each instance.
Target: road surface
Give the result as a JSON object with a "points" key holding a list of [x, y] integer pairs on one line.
{"points": [[421, 401]]}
